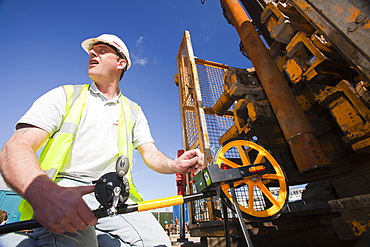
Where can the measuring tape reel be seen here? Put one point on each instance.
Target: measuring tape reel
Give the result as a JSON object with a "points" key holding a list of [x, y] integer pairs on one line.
{"points": [[112, 189]]}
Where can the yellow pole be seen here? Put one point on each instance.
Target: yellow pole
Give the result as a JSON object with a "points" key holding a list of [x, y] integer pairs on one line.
{"points": [[160, 203]]}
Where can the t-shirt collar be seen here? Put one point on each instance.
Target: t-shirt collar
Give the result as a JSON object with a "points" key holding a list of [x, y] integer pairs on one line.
{"points": [[94, 89]]}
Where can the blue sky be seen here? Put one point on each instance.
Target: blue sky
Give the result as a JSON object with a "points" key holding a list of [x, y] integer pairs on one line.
{"points": [[40, 50]]}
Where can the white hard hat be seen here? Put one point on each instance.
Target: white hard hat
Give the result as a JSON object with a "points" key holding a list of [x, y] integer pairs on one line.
{"points": [[112, 40]]}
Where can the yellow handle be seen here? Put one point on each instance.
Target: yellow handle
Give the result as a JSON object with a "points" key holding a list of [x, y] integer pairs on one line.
{"points": [[160, 203]]}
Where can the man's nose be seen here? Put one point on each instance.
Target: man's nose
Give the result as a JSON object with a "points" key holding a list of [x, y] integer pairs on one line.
{"points": [[93, 53]]}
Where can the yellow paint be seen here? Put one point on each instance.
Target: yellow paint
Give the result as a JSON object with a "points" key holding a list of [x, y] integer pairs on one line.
{"points": [[206, 137], [303, 102], [293, 70], [353, 13], [367, 24], [344, 113], [252, 111], [273, 16], [361, 144], [307, 8], [351, 114], [359, 227]]}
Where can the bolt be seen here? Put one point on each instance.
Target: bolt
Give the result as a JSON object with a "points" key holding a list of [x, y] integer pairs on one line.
{"points": [[311, 61], [352, 27], [361, 18]]}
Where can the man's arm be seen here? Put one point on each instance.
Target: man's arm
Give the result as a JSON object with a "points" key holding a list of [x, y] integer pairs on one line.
{"points": [[191, 160], [18, 162], [57, 208]]}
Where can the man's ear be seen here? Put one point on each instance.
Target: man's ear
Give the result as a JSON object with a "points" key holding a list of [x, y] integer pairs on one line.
{"points": [[121, 64]]}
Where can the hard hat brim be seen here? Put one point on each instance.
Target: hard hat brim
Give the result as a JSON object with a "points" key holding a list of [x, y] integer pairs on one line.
{"points": [[88, 43]]}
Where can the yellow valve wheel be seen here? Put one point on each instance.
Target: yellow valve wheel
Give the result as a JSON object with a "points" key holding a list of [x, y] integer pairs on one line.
{"points": [[260, 197]]}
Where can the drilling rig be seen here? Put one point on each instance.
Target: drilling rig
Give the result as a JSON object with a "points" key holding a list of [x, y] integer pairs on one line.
{"points": [[306, 102]]}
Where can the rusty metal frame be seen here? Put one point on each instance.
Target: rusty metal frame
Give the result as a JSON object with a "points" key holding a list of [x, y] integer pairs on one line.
{"points": [[191, 105], [348, 33], [190, 96], [356, 125]]}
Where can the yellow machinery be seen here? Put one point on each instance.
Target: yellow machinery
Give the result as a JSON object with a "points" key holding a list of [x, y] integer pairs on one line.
{"points": [[305, 102]]}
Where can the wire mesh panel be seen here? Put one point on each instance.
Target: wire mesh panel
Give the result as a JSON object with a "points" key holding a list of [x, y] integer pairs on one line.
{"points": [[211, 86], [211, 82], [191, 127]]}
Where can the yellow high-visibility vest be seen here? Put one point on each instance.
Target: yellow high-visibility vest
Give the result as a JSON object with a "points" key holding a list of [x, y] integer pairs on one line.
{"points": [[55, 150]]}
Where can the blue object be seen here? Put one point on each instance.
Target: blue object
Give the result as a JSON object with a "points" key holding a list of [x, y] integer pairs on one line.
{"points": [[176, 212], [9, 202]]}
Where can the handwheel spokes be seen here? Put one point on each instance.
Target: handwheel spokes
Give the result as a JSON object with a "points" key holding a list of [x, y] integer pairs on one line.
{"points": [[271, 176], [268, 194], [256, 201], [251, 189], [244, 157], [251, 197], [260, 158], [228, 162]]}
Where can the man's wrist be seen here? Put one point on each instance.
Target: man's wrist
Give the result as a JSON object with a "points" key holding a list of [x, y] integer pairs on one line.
{"points": [[41, 185]]}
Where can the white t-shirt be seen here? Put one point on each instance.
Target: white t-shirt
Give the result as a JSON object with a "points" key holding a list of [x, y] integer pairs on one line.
{"points": [[95, 148]]}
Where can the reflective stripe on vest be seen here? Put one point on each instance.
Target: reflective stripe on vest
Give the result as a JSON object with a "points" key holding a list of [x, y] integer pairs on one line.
{"points": [[125, 141], [56, 149]]}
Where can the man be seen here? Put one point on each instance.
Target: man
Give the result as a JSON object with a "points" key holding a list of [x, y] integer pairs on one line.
{"points": [[108, 124]]}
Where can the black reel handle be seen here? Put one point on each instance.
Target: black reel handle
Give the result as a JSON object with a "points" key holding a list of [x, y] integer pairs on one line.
{"points": [[107, 185], [112, 189], [122, 166]]}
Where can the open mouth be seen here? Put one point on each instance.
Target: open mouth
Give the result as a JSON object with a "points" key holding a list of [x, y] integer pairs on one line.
{"points": [[94, 62]]}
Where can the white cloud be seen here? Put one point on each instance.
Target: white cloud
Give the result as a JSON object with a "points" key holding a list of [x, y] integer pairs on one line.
{"points": [[140, 61], [140, 41], [137, 57]]}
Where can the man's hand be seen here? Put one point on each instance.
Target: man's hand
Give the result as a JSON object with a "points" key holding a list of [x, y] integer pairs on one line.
{"points": [[62, 209], [189, 161]]}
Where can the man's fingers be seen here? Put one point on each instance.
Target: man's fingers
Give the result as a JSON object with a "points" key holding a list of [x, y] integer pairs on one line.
{"points": [[71, 227], [195, 160], [84, 212], [88, 218], [199, 157], [83, 190]]}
